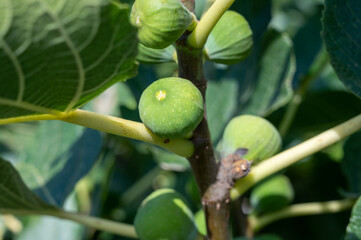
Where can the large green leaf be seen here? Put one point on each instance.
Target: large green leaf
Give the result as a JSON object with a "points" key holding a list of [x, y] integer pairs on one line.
{"points": [[353, 231], [57, 55], [272, 89], [14, 193], [351, 163], [341, 32], [221, 99], [52, 165]]}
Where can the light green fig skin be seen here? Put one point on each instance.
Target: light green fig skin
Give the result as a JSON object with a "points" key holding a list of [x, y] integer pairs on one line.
{"points": [[230, 40], [165, 215], [177, 114], [273, 194], [160, 22], [255, 133]]}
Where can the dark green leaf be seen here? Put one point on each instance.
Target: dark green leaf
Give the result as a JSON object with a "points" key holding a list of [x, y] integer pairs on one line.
{"points": [[15, 195], [272, 89], [59, 56], [221, 100], [353, 231], [341, 32], [332, 108], [351, 163]]}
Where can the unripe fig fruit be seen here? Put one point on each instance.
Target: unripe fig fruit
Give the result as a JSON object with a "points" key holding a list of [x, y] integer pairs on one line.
{"points": [[273, 194], [255, 133], [230, 40], [165, 215], [171, 107], [160, 22]]}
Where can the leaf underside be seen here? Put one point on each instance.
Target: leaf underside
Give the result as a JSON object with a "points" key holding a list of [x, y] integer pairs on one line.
{"points": [[57, 55], [15, 195], [341, 32]]}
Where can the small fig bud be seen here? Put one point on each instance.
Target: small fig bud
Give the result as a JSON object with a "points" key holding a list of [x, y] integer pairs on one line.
{"points": [[171, 107], [230, 40], [160, 22], [255, 133], [165, 215]]}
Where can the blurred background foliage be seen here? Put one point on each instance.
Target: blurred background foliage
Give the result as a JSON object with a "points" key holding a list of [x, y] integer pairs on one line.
{"points": [[108, 176]]}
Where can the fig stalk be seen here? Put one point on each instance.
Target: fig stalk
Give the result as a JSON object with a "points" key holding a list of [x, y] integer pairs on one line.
{"points": [[203, 162]]}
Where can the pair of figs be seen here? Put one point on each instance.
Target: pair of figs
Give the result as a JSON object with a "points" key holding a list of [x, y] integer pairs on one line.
{"points": [[173, 108], [161, 22]]}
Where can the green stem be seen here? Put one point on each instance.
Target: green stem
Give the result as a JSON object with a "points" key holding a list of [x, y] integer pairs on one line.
{"points": [[121, 229], [113, 125], [303, 209], [199, 36], [294, 154], [127, 128], [319, 65]]}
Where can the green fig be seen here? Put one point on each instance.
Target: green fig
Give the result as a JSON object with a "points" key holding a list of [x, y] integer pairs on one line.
{"points": [[230, 40], [165, 215], [160, 22], [171, 107], [273, 194], [254, 133]]}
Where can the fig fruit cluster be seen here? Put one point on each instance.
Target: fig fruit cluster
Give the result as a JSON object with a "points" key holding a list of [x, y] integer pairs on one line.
{"points": [[171, 107], [165, 215], [254, 133], [160, 22]]}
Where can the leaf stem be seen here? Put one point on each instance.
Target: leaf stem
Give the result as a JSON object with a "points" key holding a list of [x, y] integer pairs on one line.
{"points": [[29, 118], [127, 128], [121, 229], [113, 125], [199, 36], [296, 153], [303, 209]]}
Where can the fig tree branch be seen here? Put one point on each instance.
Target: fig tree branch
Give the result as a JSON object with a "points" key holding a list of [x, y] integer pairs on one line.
{"points": [[121, 229], [129, 129], [113, 125], [302, 209], [295, 154]]}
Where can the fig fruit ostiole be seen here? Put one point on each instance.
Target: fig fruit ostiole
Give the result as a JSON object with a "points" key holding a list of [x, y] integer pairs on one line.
{"points": [[171, 107], [165, 215], [254, 133], [160, 22]]}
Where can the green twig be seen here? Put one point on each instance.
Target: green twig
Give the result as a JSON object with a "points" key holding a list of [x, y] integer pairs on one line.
{"points": [[199, 36], [127, 128], [296, 153], [303, 209], [113, 125], [121, 229]]}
